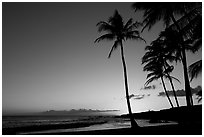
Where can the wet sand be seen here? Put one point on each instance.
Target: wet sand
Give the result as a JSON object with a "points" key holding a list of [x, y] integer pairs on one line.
{"points": [[152, 130]]}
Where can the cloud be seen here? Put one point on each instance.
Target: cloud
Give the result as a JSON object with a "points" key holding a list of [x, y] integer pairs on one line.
{"points": [[181, 93], [108, 110], [138, 96], [148, 87]]}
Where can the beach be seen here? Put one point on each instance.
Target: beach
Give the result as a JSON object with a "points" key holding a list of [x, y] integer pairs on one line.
{"points": [[163, 122], [152, 130], [174, 129], [108, 126], [69, 125]]}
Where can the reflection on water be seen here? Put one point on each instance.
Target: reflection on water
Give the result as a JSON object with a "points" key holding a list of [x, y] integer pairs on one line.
{"points": [[108, 122]]}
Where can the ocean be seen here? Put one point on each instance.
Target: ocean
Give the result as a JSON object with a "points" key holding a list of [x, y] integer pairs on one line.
{"points": [[56, 124]]}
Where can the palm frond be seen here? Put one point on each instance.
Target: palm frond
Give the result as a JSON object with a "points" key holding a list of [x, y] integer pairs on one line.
{"points": [[116, 30], [147, 59], [133, 37], [142, 5], [195, 69], [104, 26], [114, 47], [196, 45], [128, 23], [153, 74], [172, 77], [156, 11], [108, 36], [148, 47], [134, 26], [116, 20], [190, 23], [134, 32], [172, 58], [150, 80]]}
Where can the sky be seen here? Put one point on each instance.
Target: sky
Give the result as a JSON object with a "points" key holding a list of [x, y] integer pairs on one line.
{"points": [[50, 60]]}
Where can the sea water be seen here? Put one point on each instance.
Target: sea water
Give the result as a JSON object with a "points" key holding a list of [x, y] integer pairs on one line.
{"points": [[98, 123], [23, 121]]}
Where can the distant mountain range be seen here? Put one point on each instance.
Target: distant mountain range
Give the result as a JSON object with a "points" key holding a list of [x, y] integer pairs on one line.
{"points": [[78, 112]]}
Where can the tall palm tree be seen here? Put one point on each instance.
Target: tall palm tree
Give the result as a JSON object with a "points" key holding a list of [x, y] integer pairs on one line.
{"points": [[156, 11], [171, 38], [166, 48], [167, 71], [156, 72], [158, 53], [119, 31], [191, 29]]}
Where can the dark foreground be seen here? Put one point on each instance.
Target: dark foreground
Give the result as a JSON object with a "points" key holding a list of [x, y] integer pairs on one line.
{"points": [[154, 130], [180, 129]]}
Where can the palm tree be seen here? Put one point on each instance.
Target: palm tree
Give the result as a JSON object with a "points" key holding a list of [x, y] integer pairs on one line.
{"points": [[166, 47], [167, 71], [156, 11], [195, 69], [156, 72], [193, 42], [119, 31], [158, 53], [199, 94], [191, 29]]}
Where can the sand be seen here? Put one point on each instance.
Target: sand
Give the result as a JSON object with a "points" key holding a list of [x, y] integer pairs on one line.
{"points": [[153, 130]]}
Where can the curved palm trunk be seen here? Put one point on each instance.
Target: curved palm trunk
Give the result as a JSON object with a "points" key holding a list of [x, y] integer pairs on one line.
{"points": [[166, 92], [133, 122], [172, 86], [189, 99]]}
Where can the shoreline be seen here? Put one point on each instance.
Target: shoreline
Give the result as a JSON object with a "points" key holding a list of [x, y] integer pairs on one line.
{"points": [[150, 130], [33, 128], [188, 122], [192, 128], [80, 127]]}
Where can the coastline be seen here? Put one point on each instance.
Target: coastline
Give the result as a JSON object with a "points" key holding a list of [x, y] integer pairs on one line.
{"points": [[17, 130], [151, 130], [178, 121]]}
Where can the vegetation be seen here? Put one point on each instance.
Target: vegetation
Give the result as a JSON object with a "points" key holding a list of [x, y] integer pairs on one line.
{"points": [[119, 32], [156, 72], [182, 32], [186, 27], [156, 58]]}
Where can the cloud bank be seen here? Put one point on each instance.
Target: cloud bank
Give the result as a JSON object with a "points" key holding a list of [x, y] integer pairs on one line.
{"points": [[148, 87], [138, 96], [181, 92]]}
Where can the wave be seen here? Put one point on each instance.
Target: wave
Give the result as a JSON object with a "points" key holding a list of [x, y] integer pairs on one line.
{"points": [[46, 124]]}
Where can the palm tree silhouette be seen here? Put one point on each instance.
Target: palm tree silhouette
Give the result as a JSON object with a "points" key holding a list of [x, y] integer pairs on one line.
{"points": [[156, 53], [156, 72], [166, 11], [195, 69], [119, 32], [196, 34], [193, 42]]}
